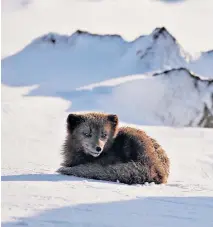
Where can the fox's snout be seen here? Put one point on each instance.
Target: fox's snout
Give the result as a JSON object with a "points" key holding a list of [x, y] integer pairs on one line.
{"points": [[98, 149]]}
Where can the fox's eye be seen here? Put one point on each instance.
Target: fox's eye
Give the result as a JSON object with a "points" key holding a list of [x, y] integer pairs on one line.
{"points": [[104, 135], [87, 134]]}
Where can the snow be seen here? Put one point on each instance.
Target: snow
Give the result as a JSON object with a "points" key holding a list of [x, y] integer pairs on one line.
{"points": [[176, 98], [92, 58], [202, 64], [34, 195], [43, 80]]}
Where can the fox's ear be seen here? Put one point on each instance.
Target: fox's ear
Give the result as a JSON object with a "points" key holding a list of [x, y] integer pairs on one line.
{"points": [[73, 120], [113, 118]]}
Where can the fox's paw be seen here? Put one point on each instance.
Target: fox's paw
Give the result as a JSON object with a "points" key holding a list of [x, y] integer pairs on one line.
{"points": [[64, 170]]}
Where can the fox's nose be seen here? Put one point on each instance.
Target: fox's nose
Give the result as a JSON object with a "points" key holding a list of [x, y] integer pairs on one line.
{"points": [[98, 149]]}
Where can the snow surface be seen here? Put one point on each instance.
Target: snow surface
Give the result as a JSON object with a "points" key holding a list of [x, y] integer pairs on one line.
{"points": [[34, 195], [44, 81]]}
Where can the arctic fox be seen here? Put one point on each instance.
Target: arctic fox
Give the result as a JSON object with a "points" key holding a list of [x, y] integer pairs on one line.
{"points": [[96, 148]]}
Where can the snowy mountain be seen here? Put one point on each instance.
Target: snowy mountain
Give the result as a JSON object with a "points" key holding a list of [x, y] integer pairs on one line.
{"points": [[174, 98], [64, 64], [90, 58]]}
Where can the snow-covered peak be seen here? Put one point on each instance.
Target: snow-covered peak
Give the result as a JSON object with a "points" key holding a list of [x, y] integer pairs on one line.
{"points": [[81, 33], [162, 32], [156, 51], [78, 38], [164, 51], [159, 50], [55, 38]]}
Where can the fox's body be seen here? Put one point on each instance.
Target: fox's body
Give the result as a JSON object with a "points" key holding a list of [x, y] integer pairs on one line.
{"points": [[96, 148]]}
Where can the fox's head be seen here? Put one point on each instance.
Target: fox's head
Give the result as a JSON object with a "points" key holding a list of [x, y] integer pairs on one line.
{"points": [[92, 132]]}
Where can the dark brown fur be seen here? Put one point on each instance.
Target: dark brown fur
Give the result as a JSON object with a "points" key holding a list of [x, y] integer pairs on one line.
{"points": [[129, 155]]}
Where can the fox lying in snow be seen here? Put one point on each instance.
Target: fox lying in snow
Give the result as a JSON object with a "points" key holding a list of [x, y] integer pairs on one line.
{"points": [[96, 148]]}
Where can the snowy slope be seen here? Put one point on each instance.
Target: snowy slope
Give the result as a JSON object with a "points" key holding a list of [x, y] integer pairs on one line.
{"points": [[174, 98], [203, 64], [34, 195]]}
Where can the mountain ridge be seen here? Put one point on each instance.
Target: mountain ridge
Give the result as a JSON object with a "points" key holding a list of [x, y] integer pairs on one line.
{"points": [[64, 64]]}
